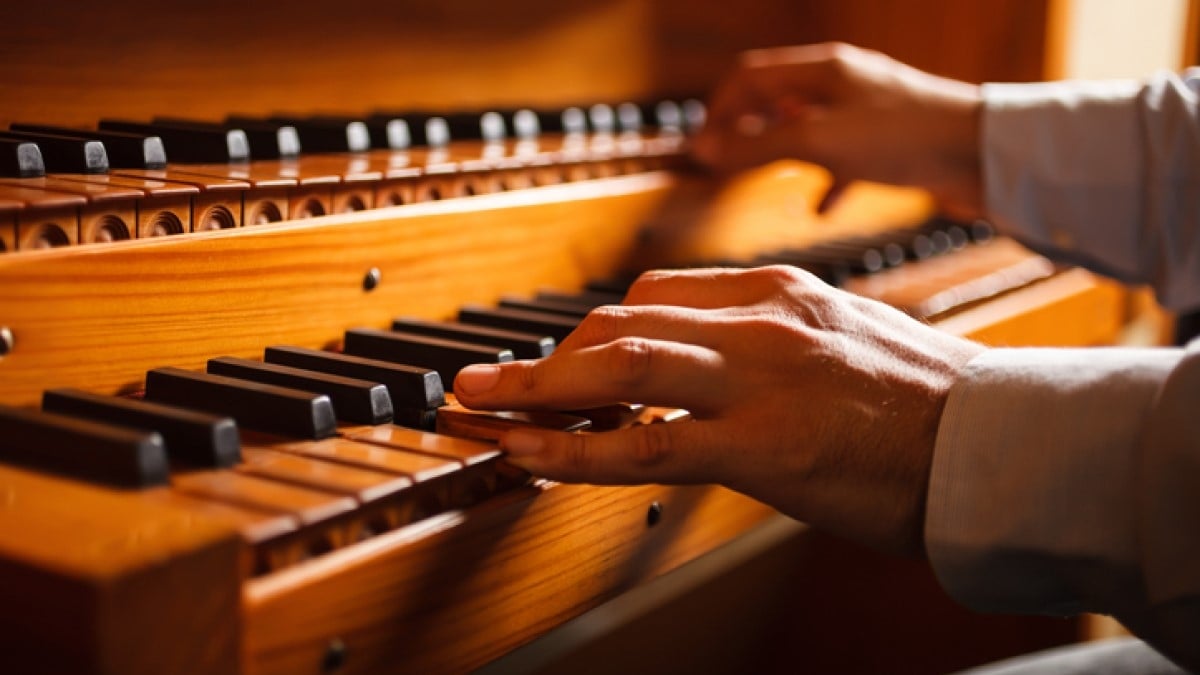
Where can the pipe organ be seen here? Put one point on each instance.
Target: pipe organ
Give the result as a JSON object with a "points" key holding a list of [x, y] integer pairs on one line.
{"points": [[241, 260]]}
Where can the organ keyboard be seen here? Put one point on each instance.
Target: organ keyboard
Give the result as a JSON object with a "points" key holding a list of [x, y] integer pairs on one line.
{"points": [[314, 539]]}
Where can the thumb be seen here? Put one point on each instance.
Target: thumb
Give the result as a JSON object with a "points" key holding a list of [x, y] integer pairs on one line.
{"points": [[668, 453]]}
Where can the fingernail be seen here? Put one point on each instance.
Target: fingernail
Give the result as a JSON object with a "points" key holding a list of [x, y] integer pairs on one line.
{"points": [[522, 443], [478, 378]]}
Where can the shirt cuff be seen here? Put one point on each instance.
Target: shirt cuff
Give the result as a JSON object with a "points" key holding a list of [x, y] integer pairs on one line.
{"points": [[1032, 486], [1057, 156]]}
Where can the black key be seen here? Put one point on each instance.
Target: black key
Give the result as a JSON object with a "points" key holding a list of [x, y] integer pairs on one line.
{"points": [[385, 133], [464, 126], [694, 115], [523, 345], [602, 119], [125, 150], [525, 123], [833, 271], [263, 407], [267, 140], [416, 392], [354, 400], [982, 231], [629, 118], [445, 356], [587, 299], [549, 121], [64, 154], [91, 451], [614, 286], [665, 114], [320, 134], [894, 254], [20, 159], [191, 437], [191, 145], [397, 130], [554, 325], [958, 237], [424, 129], [568, 309]]}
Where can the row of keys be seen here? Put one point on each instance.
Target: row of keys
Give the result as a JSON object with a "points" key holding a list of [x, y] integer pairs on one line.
{"points": [[836, 261], [299, 449], [61, 186], [29, 150]]}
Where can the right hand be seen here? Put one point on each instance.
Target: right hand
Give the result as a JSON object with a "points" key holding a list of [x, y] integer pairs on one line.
{"points": [[818, 402], [859, 113]]}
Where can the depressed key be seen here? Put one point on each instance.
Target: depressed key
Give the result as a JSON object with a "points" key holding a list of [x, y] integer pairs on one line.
{"points": [[191, 437], [91, 451], [264, 407], [445, 356], [455, 420], [354, 400]]}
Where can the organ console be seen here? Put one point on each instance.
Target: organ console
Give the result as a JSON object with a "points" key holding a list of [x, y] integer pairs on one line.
{"points": [[226, 339]]}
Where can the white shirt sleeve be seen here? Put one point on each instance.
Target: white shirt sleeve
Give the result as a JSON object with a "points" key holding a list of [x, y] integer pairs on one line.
{"points": [[1106, 174], [1069, 480]]}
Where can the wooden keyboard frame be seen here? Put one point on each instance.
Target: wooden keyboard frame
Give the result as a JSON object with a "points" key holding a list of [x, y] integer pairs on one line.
{"points": [[454, 591]]}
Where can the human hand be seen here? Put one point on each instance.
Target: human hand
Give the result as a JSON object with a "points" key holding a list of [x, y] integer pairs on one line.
{"points": [[820, 403], [858, 113]]}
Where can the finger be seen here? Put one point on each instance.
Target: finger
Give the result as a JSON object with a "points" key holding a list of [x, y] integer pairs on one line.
{"points": [[710, 288], [789, 137], [764, 77], [657, 322], [671, 453], [654, 372]]}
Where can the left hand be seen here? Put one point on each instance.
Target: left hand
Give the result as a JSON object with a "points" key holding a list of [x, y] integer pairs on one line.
{"points": [[820, 403]]}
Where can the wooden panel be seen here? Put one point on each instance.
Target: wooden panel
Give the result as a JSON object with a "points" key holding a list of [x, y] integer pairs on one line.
{"points": [[428, 598], [97, 580], [258, 58], [432, 258], [1075, 308], [8, 225]]}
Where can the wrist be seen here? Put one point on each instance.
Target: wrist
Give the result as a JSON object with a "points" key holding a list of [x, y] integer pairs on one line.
{"points": [[960, 190]]}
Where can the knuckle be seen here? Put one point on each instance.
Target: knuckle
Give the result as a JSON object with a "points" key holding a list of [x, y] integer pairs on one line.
{"points": [[603, 324], [629, 359], [778, 278], [529, 375], [654, 445], [577, 456], [645, 284]]}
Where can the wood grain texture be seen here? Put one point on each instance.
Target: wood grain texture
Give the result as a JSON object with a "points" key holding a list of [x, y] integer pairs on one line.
{"points": [[99, 580], [68, 63], [456, 591], [98, 317], [1075, 308]]}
